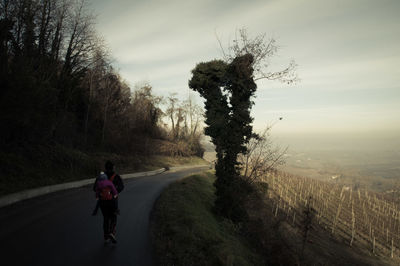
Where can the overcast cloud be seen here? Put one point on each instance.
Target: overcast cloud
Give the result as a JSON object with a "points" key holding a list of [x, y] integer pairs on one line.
{"points": [[348, 54]]}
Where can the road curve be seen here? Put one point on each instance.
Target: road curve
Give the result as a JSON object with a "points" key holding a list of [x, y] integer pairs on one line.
{"points": [[58, 229]]}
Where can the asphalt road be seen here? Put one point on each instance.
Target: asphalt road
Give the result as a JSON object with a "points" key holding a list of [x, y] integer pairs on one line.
{"points": [[58, 229]]}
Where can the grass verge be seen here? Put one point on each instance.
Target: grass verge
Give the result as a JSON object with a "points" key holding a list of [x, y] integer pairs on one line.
{"points": [[186, 232]]}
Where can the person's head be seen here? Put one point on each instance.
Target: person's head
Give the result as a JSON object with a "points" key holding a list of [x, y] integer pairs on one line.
{"points": [[102, 176], [109, 166]]}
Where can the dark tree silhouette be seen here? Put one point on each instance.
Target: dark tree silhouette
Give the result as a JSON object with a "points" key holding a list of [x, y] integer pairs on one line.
{"points": [[228, 87]]}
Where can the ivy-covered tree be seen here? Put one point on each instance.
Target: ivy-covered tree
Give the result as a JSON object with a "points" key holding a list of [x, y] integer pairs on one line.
{"points": [[228, 87]]}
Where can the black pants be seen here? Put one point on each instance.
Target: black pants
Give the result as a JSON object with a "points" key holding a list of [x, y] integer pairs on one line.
{"points": [[96, 208], [110, 218]]}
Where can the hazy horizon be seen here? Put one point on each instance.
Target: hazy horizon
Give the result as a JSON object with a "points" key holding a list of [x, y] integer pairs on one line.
{"points": [[358, 141]]}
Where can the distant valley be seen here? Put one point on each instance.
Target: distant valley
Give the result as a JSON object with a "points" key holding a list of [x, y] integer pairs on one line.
{"points": [[378, 171]]}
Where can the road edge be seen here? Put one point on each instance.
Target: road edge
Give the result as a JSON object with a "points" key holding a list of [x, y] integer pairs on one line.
{"points": [[35, 192]]}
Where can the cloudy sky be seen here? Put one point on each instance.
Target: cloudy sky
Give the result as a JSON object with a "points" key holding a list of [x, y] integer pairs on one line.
{"points": [[348, 56]]}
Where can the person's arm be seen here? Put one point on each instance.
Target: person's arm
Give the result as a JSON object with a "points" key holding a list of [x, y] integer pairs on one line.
{"points": [[95, 185], [119, 183], [96, 190], [114, 191]]}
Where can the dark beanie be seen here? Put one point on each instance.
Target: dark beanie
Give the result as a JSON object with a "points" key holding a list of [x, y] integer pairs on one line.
{"points": [[109, 166]]}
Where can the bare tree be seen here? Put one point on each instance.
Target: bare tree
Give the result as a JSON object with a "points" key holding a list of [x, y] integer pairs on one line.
{"points": [[261, 157], [262, 49], [146, 111], [114, 97], [58, 33], [82, 38], [171, 111], [194, 116], [180, 115], [100, 64], [45, 11]]}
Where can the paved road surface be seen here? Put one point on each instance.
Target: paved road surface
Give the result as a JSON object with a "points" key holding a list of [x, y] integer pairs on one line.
{"points": [[58, 229]]}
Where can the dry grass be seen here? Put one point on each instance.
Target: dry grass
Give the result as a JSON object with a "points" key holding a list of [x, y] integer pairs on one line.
{"points": [[186, 232]]}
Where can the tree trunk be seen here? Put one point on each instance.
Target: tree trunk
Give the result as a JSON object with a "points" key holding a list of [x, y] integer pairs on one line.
{"points": [[104, 124], [88, 107]]}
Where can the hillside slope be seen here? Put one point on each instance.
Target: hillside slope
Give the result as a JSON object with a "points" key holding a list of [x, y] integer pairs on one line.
{"points": [[31, 166], [187, 232], [346, 225]]}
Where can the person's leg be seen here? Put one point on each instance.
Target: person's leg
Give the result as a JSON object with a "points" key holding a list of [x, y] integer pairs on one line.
{"points": [[106, 227], [117, 211], [106, 219], [113, 223]]}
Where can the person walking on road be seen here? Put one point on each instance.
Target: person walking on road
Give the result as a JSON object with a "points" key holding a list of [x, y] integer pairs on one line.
{"points": [[107, 194], [115, 179], [110, 214]]}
